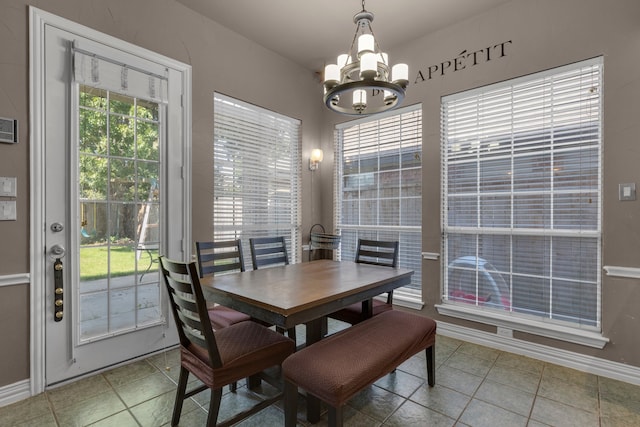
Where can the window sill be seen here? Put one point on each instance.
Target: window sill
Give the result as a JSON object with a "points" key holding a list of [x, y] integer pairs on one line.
{"points": [[584, 337]]}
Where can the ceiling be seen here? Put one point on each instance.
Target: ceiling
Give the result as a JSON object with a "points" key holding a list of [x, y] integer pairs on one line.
{"points": [[312, 33]]}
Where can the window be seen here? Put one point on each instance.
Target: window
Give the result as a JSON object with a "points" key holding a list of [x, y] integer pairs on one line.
{"points": [[121, 113], [378, 181], [521, 192], [257, 173], [119, 201]]}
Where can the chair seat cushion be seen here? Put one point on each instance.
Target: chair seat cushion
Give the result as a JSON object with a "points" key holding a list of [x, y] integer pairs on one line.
{"points": [[245, 348], [353, 313], [336, 368], [223, 317]]}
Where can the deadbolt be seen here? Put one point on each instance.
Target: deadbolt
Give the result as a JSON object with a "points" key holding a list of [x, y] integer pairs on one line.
{"points": [[56, 227]]}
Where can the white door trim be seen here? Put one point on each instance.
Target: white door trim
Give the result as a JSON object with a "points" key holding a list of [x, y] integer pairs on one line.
{"points": [[38, 19]]}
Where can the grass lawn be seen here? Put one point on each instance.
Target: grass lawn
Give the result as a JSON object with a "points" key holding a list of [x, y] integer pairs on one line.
{"points": [[94, 261]]}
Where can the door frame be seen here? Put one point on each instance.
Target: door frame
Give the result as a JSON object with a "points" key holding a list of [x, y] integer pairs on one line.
{"points": [[178, 239]]}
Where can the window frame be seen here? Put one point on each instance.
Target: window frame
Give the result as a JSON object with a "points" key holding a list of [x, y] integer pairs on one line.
{"points": [[590, 335], [270, 145], [410, 297]]}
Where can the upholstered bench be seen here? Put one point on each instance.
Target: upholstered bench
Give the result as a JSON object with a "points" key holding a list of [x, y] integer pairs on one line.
{"points": [[336, 368]]}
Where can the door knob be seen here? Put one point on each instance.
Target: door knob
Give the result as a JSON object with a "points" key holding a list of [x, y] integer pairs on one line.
{"points": [[57, 250]]}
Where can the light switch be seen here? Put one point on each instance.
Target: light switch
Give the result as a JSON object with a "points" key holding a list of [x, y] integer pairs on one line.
{"points": [[8, 211], [627, 191], [8, 186]]}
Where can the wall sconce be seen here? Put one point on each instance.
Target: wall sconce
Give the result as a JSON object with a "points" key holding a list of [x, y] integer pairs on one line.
{"points": [[316, 157]]}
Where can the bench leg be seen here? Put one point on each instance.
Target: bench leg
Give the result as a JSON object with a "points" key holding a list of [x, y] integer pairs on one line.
{"points": [[313, 408], [431, 369], [290, 404], [335, 416], [314, 334]]}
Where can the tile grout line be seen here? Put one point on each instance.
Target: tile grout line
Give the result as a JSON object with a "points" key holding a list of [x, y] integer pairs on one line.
{"points": [[535, 395], [476, 390], [127, 409], [52, 409]]}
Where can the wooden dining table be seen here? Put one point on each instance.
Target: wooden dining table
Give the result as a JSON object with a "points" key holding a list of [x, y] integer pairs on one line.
{"points": [[303, 293]]}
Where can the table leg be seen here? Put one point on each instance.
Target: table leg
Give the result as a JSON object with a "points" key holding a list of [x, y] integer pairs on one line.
{"points": [[314, 331], [367, 308]]}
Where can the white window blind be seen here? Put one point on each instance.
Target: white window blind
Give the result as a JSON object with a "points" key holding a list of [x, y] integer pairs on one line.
{"points": [[521, 208], [378, 182], [257, 174]]}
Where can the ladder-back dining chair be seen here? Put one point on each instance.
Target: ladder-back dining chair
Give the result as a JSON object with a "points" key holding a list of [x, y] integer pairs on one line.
{"points": [[375, 252], [217, 357], [222, 256], [270, 252], [218, 258]]}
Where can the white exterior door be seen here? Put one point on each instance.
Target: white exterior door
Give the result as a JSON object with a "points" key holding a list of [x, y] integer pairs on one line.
{"points": [[111, 183]]}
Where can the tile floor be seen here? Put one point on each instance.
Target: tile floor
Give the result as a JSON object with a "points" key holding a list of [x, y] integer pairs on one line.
{"points": [[475, 386]]}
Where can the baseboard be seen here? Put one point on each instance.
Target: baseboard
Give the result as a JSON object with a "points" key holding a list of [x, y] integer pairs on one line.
{"points": [[14, 392], [569, 359]]}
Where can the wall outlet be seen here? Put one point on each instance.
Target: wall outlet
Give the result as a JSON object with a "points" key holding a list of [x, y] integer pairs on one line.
{"points": [[505, 332], [627, 191]]}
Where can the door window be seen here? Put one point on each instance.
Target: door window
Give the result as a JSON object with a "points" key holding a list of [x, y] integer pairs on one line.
{"points": [[119, 200]]}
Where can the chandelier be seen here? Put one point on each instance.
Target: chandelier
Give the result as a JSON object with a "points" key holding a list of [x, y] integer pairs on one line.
{"points": [[365, 71]]}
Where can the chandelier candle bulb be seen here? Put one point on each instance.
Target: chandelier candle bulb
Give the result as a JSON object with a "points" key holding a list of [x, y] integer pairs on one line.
{"points": [[368, 66], [400, 73], [366, 44], [359, 100], [331, 74], [343, 60]]}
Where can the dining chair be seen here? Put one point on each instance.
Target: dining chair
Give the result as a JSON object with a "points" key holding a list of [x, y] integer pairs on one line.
{"points": [[270, 252], [222, 256], [218, 357], [375, 252], [218, 258]]}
